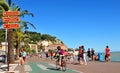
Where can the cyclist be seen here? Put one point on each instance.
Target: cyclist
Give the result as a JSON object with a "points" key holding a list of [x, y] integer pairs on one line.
{"points": [[60, 55]]}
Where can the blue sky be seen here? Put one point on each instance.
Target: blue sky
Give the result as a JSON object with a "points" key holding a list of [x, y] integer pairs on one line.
{"points": [[92, 23]]}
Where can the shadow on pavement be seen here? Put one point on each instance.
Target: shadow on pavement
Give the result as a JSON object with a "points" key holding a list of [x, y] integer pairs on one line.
{"points": [[53, 69], [76, 64]]}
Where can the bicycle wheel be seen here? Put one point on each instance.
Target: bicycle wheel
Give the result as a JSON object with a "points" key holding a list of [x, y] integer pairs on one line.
{"points": [[57, 64], [64, 66]]}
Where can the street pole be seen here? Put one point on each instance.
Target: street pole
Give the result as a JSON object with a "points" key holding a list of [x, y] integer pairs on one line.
{"points": [[7, 58], [6, 45], [9, 2]]}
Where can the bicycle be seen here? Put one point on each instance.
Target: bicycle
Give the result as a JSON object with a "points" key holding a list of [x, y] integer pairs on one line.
{"points": [[63, 64]]}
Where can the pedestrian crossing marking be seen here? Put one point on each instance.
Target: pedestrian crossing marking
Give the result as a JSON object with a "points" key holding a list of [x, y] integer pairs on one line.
{"points": [[52, 64], [27, 68], [11, 66], [49, 67], [67, 68], [42, 67]]}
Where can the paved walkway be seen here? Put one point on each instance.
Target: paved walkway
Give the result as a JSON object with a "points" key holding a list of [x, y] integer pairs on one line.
{"points": [[37, 65]]}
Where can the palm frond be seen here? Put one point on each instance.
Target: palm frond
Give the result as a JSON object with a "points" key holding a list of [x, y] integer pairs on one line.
{"points": [[1, 11], [31, 25], [26, 12], [25, 24], [9, 2], [5, 5], [14, 7]]}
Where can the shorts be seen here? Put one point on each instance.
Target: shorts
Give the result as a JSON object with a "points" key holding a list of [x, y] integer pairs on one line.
{"points": [[80, 56], [24, 58], [47, 56], [51, 57]]}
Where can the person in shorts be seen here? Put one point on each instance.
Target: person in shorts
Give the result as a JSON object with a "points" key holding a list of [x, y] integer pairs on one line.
{"points": [[24, 54]]}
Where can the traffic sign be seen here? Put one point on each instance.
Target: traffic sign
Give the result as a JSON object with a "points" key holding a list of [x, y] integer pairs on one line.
{"points": [[11, 26], [11, 13], [10, 19]]}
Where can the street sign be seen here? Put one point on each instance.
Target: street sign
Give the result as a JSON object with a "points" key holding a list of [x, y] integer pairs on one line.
{"points": [[11, 13], [11, 26], [10, 19]]}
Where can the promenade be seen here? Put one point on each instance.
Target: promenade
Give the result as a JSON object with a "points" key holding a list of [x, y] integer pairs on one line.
{"points": [[37, 65]]}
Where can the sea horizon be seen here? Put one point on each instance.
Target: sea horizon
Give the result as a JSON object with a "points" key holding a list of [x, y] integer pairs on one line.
{"points": [[115, 56]]}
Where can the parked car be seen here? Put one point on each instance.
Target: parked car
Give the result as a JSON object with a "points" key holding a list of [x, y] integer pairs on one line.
{"points": [[3, 56]]}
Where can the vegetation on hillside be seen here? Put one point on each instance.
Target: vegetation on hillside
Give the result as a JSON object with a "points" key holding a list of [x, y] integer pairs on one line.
{"points": [[33, 37]]}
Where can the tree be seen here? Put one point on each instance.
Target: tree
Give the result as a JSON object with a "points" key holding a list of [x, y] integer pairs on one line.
{"points": [[48, 37], [2, 35], [4, 6], [34, 37], [24, 25], [10, 43]]}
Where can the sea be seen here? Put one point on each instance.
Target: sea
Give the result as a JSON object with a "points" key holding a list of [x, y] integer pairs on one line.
{"points": [[115, 56]]}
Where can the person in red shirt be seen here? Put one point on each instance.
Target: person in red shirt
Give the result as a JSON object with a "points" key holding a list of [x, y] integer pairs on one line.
{"points": [[51, 54], [107, 54], [66, 55]]}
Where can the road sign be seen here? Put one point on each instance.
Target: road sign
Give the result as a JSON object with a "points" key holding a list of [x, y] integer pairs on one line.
{"points": [[10, 19], [11, 26], [11, 13]]}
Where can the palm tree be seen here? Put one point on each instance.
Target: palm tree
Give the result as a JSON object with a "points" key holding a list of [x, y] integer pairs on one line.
{"points": [[4, 6], [10, 43], [19, 33]]}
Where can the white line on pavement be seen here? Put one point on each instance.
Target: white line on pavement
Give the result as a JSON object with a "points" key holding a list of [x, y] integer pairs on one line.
{"points": [[27, 68], [11, 66], [10, 72], [43, 67], [67, 68], [52, 65]]}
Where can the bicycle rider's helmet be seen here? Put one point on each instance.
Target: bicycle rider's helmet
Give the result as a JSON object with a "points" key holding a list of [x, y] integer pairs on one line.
{"points": [[58, 47]]}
